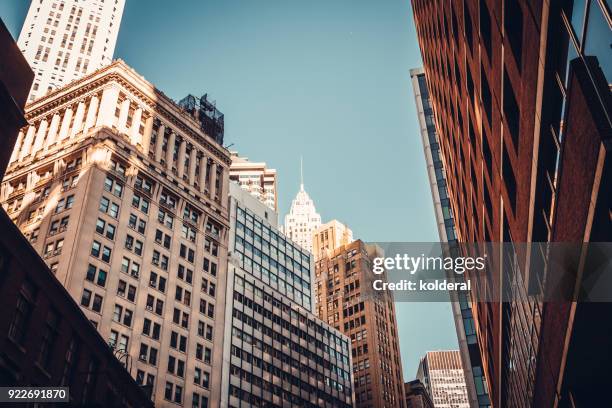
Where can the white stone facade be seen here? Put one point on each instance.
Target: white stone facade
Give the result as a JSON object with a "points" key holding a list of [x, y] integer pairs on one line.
{"points": [[63, 40], [302, 220]]}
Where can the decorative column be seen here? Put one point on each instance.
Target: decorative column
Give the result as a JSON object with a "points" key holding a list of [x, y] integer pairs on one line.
{"points": [[219, 175], [146, 137], [213, 178], [135, 129], [192, 164], [53, 128], [180, 163], [91, 114], [78, 120], [63, 133], [202, 181], [18, 145], [170, 150], [159, 143], [108, 103], [123, 114], [40, 136], [27, 143]]}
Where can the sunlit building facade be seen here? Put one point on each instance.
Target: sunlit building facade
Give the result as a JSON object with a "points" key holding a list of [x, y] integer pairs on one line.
{"points": [[302, 220], [442, 374], [66, 39], [343, 300], [125, 198], [330, 236], [256, 178]]}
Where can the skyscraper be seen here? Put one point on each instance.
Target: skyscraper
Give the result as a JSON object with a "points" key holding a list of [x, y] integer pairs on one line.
{"points": [[416, 395], [256, 178], [276, 351], [330, 236], [461, 302], [442, 374], [341, 278], [125, 198], [521, 97], [66, 39], [302, 220]]}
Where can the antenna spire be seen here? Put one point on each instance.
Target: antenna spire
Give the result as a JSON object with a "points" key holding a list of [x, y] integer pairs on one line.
{"points": [[301, 173]]}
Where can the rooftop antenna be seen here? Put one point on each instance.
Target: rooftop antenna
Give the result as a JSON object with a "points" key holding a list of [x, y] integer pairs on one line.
{"points": [[301, 174]]}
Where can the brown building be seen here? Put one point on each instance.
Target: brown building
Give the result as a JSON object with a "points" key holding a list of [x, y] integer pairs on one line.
{"points": [[416, 395], [521, 96], [369, 321], [125, 198]]}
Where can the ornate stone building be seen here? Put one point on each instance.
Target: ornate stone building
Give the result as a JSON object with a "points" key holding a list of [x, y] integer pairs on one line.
{"points": [[125, 198]]}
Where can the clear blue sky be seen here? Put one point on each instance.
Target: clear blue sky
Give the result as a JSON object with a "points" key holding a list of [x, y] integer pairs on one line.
{"points": [[325, 79]]}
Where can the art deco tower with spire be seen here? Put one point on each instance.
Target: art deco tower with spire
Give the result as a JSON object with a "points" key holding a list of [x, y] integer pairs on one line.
{"points": [[303, 218]]}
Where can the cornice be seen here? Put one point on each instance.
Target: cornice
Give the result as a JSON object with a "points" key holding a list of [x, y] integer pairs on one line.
{"points": [[119, 72]]}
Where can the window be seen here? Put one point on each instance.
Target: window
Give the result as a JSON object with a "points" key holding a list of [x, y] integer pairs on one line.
{"points": [[485, 27], [187, 253], [106, 254], [509, 179], [112, 340], [151, 329], [213, 228], [183, 295], [168, 391], [485, 91], [97, 303], [157, 282], [163, 239], [21, 319], [147, 354], [108, 230], [49, 338], [69, 202], [185, 274], [210, 267], [134, 245], [143, 184], [113, 186], [511, 110], [188, 232], [180, 317], [211, 247], [513, 28], [58, 226], [467, 26], [137, 224], [122, 316], [60, 205], [108, 207], [140, 203], [165, 218], [155, 303], [92, 272], [95, 249], [178, 342], [168, 199], [191, 214]]}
